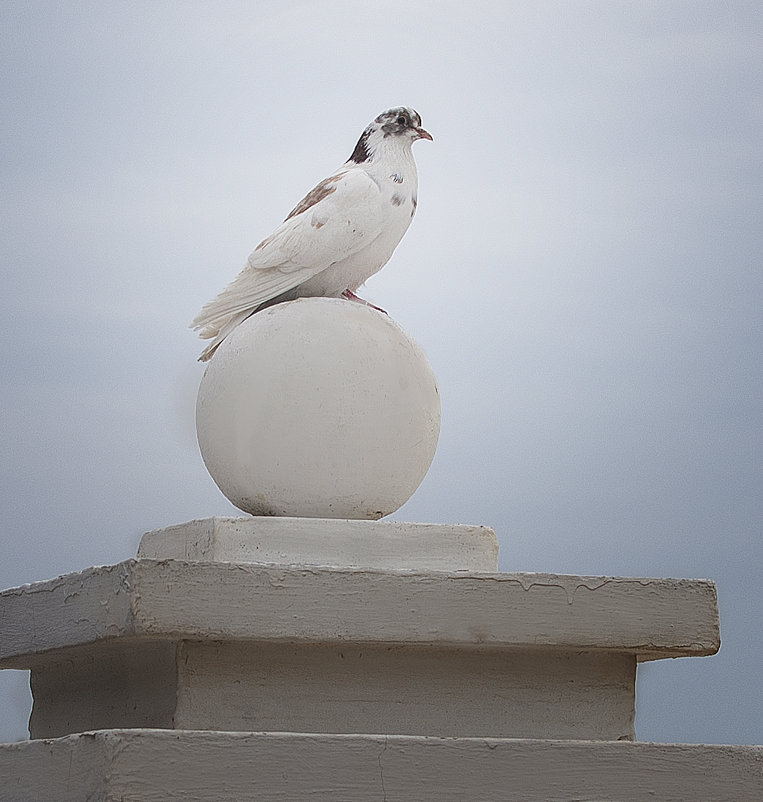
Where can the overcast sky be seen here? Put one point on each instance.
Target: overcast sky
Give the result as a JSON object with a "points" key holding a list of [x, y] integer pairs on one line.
{"points": [[584, 274]]}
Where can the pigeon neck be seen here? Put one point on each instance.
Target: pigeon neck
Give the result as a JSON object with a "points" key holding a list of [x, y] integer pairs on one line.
{"points": [[374, 147], [362, 152], [394, 153]]}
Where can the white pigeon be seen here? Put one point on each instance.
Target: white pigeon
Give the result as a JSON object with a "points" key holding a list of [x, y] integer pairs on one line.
{"points": [[336, 237]]}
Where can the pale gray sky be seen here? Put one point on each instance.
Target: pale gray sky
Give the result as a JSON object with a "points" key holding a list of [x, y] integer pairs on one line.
{"points": [[584, 273]]}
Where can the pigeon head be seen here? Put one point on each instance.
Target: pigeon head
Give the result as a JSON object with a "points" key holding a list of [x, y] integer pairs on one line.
{"points": [[400, 125]]}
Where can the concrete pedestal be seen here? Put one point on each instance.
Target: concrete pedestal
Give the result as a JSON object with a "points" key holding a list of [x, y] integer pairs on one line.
{"points": [[202, 645], [169, 766], [321, 541], [217, 642]]}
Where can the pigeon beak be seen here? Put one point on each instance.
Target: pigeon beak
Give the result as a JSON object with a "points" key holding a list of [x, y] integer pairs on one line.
{"points": [[422, 134]]}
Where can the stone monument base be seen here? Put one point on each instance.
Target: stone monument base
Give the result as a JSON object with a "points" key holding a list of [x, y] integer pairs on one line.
{"points": [[169, 766], [292, 659], [328, 542]]}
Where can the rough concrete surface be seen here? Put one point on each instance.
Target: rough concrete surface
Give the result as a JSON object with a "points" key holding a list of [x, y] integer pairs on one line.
{"points": [[160, 766], [338, 688], [318, 408], [320, 541], [175, 600]]}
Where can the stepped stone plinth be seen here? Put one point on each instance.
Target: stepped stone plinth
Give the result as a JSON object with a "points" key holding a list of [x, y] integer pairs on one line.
{"points": [[328, 542], [172, 766], [326, 655], [198, 644], [218, 651]]}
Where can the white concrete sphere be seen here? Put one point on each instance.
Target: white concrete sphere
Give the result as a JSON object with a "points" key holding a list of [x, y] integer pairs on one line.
{"points": [[318, 408]]}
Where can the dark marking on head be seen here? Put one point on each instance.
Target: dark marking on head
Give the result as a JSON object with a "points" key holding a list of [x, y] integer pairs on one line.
{"points": [[317, 223], [316, 195], [397, 200], [397, 120], [362, 153], [397, 178], [414, 204]]}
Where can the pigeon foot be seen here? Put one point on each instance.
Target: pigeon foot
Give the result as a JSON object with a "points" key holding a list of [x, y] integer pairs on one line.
{"points": [[350, 296]]}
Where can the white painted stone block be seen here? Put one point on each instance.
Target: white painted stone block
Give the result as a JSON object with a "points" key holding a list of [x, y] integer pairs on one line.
{"points": [[172, 766], [650, 618], [318, 541], [217, 645], [334, 687], [318, 408]]}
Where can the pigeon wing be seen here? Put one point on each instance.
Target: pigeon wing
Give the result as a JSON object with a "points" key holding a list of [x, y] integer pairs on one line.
{"points": [[339, 217]]}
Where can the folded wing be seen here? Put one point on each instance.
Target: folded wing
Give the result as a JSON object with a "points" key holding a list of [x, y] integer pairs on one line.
{"points": [[338, 218]]}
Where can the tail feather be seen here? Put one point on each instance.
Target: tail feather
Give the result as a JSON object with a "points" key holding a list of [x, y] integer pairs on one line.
{"points": [[216, 327], [249, 292], [209, 351], [219, 331]]}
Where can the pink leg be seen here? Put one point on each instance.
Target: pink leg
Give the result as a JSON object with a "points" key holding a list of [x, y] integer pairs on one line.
{"points": [[350, 296]]}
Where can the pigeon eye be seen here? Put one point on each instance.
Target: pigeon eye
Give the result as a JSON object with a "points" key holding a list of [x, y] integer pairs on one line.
{"points": [[401, 120]]}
